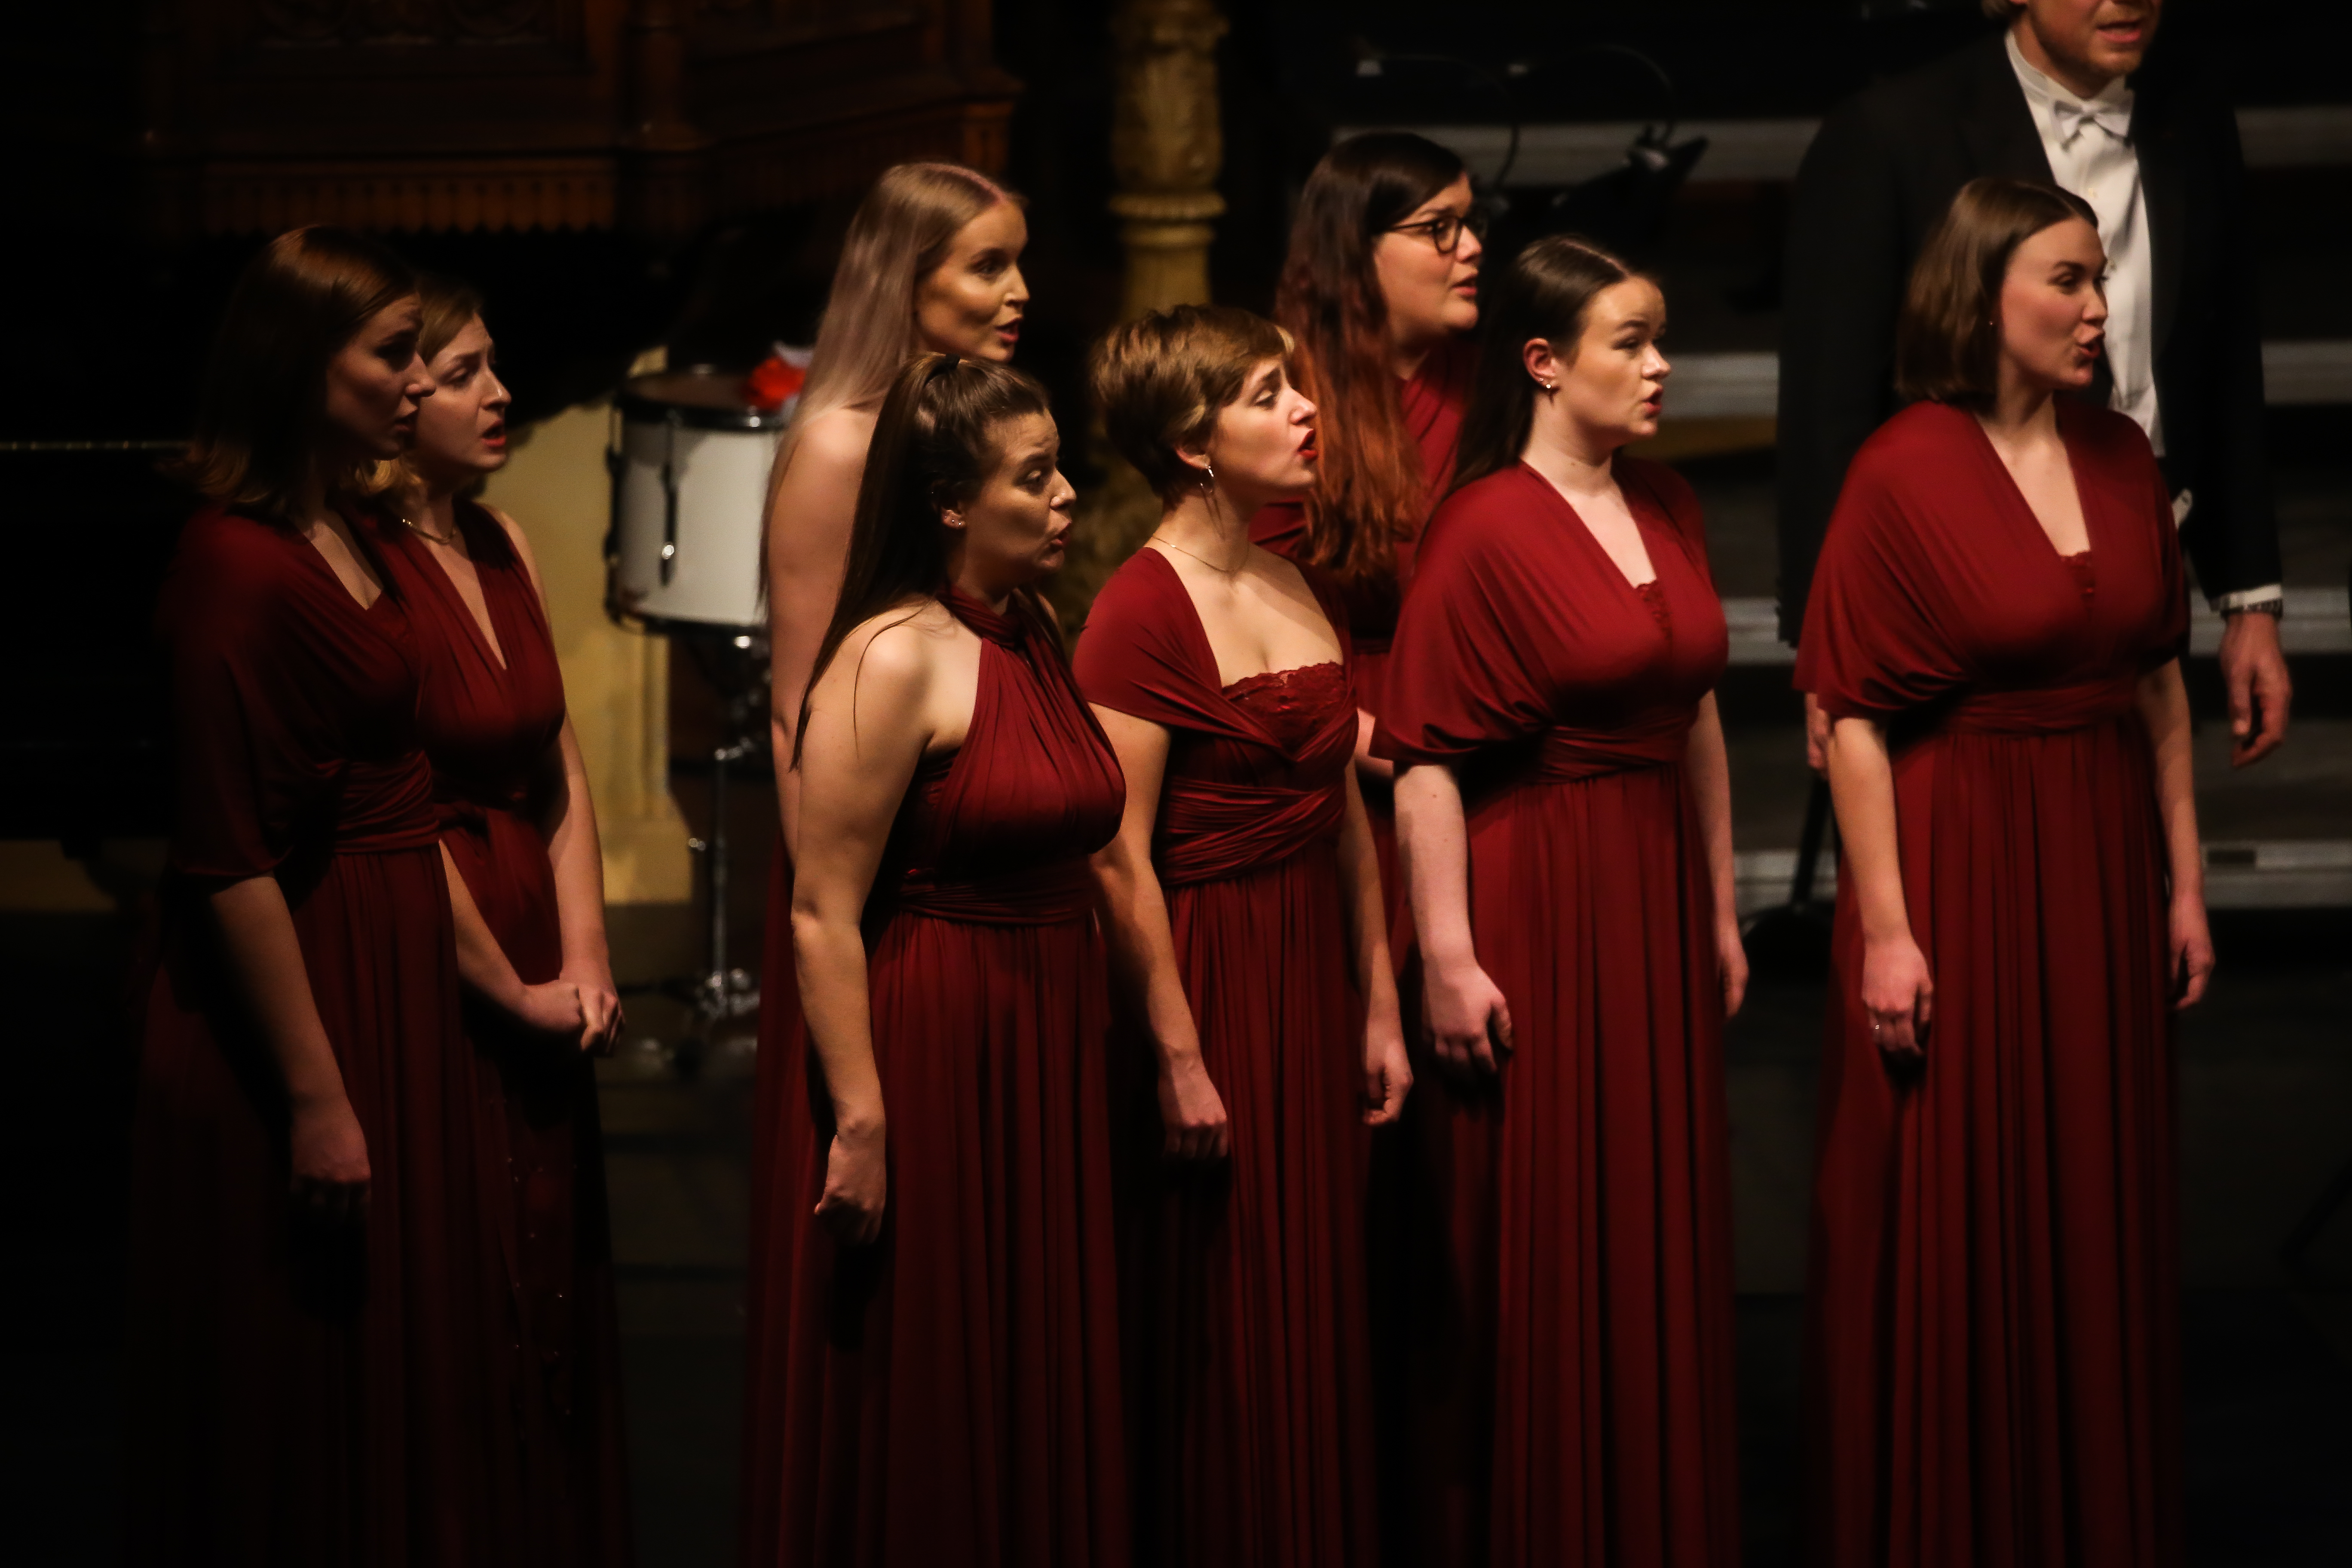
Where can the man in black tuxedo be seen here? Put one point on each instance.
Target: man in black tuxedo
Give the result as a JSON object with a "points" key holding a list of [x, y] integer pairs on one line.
{"points": [[2059, 97]]}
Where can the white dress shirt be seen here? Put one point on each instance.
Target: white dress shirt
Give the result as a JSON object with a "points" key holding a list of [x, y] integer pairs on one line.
{"points": [[2088, 142]]}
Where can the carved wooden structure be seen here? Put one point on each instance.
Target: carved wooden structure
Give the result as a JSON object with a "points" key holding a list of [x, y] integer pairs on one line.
{"points": [[1166, 149], [649, 115]]}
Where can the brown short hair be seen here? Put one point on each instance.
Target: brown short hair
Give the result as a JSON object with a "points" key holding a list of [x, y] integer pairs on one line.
{"points": [[1946, 343], [260, 418], [1162, 379], [2003, 10]]}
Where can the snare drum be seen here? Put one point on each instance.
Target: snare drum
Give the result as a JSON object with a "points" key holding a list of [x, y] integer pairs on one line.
{"points": [[690, 489]]}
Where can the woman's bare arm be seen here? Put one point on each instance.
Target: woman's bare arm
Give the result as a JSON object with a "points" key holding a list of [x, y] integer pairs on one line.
{"points": [[265, 959], [868, 727], [1469, 1018], [1143, 948], [1897, 991], [1367, 766], [1387, 1073], [568, 822], [2164, 709], [810, 510], [1709, 763], [552, 1006]]}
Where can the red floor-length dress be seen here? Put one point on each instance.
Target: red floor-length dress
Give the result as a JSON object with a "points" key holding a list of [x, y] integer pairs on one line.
{"points": [[299, 1395], [1432, 400], [489, 720], [1993, 1343], [949, 1395], [1571, 1393], [1249, 1420]]}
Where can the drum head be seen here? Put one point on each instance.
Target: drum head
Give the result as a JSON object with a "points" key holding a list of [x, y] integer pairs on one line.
{"points": [[700, 399]]}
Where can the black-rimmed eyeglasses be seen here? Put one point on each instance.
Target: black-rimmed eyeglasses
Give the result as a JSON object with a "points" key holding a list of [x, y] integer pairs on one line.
{"points": [[1444, 230]]}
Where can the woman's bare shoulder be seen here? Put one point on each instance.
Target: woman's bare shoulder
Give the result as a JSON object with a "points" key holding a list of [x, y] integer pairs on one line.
{"points": [[837, 438], [898, 646]]}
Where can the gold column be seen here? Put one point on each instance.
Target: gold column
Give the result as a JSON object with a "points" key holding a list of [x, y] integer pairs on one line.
{"points": [[616, 682], [1167, 148]]}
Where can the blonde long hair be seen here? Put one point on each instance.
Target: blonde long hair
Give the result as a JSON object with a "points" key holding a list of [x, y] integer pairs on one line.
{"points": [[900, 233]]}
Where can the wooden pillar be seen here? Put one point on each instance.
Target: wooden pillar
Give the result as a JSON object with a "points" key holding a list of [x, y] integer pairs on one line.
{"points": [[616, 682], [1166, 149], [663, 175]]}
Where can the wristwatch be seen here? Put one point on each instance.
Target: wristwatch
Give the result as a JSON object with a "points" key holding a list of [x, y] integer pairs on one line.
{"points": [[2273, 606]]}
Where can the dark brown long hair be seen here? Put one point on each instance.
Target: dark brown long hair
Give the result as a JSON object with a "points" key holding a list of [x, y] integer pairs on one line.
{"points": [[1372, 494], [1947, 344], [260, 420], [939, 435], [1546, 292]]}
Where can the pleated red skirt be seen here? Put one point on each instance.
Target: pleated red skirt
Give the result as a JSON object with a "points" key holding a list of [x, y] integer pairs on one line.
{"points": [[569, 1475], [1566, 1255], [298, 1398], [949, 1396], [1250, 1382], [1993, 1340]]}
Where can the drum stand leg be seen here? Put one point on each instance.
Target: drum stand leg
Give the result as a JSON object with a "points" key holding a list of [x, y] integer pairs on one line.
{"points": [[722, 992]]}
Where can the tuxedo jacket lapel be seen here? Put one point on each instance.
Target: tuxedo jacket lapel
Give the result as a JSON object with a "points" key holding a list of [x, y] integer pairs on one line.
{"points": [[2164, 184], [1998, 125]]}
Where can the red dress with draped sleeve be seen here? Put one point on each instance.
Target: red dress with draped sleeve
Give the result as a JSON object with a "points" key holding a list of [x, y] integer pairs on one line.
{"points": [[1993, 1342], [301, 1394], [949, 1396], [489, 720], [1250, 1403], [1570, 1391], [1432, 400]]}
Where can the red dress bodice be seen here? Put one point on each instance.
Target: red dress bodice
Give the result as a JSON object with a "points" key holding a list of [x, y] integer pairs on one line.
{"points": [[1255, 769], [1573, 670], [1000, 829]]}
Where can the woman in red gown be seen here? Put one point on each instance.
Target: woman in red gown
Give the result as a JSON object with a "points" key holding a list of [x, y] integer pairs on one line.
{"points": [[931, 264], [1564, 809], [1379, 293], [1244, 907], [1993, 1343], [527, 884], [316, 1318], [947, 1364]]}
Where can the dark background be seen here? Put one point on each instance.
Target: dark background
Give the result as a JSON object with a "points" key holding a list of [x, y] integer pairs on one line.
{"points": [[110, 332]]}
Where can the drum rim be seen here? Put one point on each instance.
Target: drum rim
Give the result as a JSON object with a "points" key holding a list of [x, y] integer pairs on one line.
{"points": [[638, 408]]}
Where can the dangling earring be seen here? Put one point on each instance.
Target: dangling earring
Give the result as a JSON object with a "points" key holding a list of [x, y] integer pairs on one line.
{"points": [[1209, 476]]}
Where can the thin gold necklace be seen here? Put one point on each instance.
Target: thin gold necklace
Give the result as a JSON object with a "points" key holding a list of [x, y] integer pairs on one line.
{"points": [[1220, 571], [447, 541]]}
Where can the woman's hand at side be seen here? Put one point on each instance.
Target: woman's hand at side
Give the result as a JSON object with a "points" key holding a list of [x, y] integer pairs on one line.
{"points": [[1191, 1108], [2191, 947], [330, 1172], [1898, 995], [1388, 1073], [1469, 1019], [856, 1183], [1731, 959]]}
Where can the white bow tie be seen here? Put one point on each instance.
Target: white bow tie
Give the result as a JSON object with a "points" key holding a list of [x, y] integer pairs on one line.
{"points": [[2069, 119]]}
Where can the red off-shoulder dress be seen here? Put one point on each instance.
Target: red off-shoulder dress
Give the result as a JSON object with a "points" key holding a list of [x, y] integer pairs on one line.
{"points": [[949, 1396], [1250, 1402], [1571, 1394], [1432, 400], [489, 719], [299, 1394], [1993, 1343]]}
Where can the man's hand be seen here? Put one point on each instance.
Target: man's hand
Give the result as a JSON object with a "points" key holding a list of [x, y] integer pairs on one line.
{"points": [[2254, 673]]}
